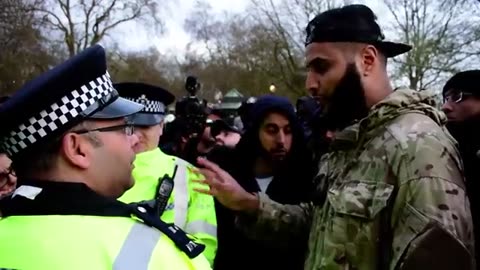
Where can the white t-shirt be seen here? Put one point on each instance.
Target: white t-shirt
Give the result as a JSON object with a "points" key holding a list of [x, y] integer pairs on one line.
{"points": [[263, 183]]}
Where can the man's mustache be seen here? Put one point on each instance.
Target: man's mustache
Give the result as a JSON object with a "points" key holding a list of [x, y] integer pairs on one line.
{"points": [[279, 150]]}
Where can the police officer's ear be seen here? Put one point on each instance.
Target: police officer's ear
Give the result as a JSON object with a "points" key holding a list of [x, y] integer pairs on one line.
{"points": [[162, 127], [76, 150]]}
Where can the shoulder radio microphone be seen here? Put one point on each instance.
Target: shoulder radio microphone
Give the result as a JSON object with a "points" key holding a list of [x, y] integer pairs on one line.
{"points": [[163, 192]]}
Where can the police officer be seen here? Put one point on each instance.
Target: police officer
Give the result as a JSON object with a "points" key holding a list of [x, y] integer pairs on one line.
{"points": [[191, 211], [72, 151]]}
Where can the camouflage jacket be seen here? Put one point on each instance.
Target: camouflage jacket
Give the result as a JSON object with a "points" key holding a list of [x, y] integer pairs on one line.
{"points": [[390, 195]]}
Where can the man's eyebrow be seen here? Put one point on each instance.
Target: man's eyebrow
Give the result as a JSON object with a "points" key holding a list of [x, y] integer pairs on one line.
{"points": [[270, 125], [316, 61], [274, 125]]}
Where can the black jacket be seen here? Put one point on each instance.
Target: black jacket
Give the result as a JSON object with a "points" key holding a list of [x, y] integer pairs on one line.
{"points": [[290, 185], [468, 136]]}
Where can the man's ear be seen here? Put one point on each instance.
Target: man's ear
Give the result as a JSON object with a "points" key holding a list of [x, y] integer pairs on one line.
{"points": [[369, 57], [76, 150]]}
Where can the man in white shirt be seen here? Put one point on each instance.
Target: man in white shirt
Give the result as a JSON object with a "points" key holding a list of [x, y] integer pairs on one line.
{"points": [[272, 158]]}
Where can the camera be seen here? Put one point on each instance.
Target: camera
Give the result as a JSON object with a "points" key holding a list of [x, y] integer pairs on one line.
{"points": [[192, 110], [192, 85]]}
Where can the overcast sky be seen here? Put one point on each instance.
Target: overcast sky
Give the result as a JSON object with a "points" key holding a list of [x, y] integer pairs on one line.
{"points": [[175, 39]]}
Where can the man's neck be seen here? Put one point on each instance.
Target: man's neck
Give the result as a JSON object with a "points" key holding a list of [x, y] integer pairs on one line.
{"points": [[382, 90], [263, 167], [146, 149]]}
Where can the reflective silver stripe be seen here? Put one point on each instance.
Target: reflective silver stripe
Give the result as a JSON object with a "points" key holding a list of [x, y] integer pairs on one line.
{"points": [[137, 248], [180, 193], [200, 226]]}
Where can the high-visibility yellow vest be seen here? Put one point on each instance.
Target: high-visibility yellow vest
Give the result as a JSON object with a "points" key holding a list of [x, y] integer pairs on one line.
{"points": [[88, 242], [189, 210]]}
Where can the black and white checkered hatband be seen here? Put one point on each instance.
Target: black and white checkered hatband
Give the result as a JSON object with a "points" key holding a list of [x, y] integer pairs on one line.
{"points": [[150, 106], [57, 114]]}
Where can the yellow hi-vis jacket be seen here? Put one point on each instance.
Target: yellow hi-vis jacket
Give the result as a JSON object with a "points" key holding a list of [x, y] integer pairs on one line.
{"points": [[189, 210], [38, 241], [88, 242]]}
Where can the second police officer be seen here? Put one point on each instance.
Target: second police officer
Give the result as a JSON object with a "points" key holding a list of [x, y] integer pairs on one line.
{"points": [[165, 182]]}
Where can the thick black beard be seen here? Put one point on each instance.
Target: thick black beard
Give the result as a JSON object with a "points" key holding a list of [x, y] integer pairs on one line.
{"points": [[347, 103], [270, 158]]}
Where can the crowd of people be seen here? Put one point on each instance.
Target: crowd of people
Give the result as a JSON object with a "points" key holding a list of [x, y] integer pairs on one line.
{"points": [[355, 175]]}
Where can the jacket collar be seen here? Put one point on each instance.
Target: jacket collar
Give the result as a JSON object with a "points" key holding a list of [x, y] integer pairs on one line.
{"points": [[397, 103], [35, 197]]}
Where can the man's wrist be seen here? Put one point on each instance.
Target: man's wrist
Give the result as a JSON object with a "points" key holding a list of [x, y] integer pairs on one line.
{"points": [[251, 203]]}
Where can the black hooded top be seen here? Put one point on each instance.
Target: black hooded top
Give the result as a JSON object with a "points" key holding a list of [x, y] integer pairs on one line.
{"points": [[291, 184]]}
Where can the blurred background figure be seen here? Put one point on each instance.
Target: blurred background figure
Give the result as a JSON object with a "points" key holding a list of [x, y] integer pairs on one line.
{"points": [[272, 158], [461, 97], [189, 122], [226, 134], [306, 108], [244, 112]]}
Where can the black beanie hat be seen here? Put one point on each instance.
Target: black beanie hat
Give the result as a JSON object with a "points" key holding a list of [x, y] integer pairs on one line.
{"points": [[269, 103], [466, 81]]}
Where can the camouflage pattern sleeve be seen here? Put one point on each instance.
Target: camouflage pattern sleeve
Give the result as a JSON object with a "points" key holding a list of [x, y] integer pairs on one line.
{"points": [[431, 219], [275, 221]]}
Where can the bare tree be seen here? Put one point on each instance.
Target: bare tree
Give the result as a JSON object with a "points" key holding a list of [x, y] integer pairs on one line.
{"points": [[15, 17], [227, 50], [284, 23], [287, 19], [444, 35], [147, 66], [24, 52], [266, 42], [83, 23]]}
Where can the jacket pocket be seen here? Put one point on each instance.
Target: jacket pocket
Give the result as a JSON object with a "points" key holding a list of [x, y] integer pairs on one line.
{"points": [[422, 243], [362, 199]]}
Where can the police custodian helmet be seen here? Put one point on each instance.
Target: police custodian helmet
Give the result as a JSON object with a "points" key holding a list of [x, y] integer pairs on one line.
{"points": [[154, 99], [57, 100]]}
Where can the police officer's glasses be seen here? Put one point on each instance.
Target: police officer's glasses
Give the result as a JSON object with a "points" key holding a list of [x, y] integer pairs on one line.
{"points": [[128, 129], [456, 96]]}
